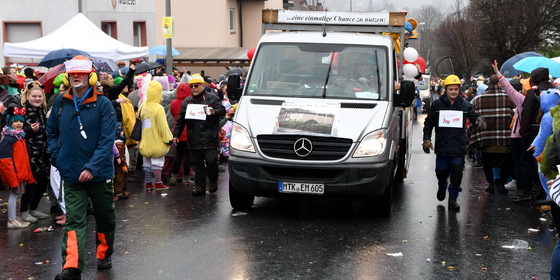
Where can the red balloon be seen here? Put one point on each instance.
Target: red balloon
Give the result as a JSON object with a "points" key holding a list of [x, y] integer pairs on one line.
{"points": [[251, 53], [407, 62], [421, 63]]}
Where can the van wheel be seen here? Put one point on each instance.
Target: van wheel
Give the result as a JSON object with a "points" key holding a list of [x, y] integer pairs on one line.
{"points": [[384, 204], [380, 206], [239, 200]]}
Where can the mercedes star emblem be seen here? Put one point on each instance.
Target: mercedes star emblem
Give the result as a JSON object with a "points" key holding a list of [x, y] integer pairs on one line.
{"points": [[303, 147]]}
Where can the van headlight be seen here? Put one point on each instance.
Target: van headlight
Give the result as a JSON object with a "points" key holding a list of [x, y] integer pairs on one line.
{"points": [[371, 145], [240, 139]]}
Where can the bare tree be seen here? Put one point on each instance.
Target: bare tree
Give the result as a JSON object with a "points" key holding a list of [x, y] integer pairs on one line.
{"points": [[429, 18], [509, 27], [457, 37]]}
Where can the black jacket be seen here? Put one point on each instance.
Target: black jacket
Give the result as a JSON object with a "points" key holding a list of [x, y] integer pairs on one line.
{"points": [[450, 142], [201, 134], [37, 141], [532, 114]]}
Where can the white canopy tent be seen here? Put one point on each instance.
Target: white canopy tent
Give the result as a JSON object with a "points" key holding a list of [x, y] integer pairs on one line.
{"points": [[77, 33]]}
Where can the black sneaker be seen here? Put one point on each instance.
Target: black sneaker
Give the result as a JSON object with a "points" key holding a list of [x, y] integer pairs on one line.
{"points": [[441, 194], [213, 187], [502, 188], [490, 188], [69, 274], [523, 197], [199, 190], [104, 263], [452, 204]]}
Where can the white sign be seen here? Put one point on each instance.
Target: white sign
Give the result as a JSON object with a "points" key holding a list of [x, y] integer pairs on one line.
{"points": [[451, 118], [196, 112], [126, 2], [337, 18]]}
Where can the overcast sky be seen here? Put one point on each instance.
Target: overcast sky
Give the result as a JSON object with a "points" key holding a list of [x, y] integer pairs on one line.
{"points": [[362, 5]]}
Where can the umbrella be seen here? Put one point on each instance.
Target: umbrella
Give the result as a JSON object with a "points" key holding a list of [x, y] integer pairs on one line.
{"points": [[146, 66], [57, 57], [236, 71], [162, 50], [122, 70], [507, 68], [529, 64], [102, 64], [47, 79]]}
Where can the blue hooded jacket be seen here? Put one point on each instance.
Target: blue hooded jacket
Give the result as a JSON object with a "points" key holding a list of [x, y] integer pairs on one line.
{"points": [[69, 151]]}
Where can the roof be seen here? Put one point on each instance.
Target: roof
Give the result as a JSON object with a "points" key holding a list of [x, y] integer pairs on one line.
{"points": [[211, 57], [77, 33]]}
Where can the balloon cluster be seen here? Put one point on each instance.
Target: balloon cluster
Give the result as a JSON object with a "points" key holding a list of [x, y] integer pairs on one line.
{"points": [[413, 64]]}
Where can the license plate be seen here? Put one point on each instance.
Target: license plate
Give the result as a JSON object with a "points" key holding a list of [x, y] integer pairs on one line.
{"points": [[307, 188]]}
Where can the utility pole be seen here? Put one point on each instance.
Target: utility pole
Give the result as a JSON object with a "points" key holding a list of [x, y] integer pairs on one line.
{"points": [[168, 44]]}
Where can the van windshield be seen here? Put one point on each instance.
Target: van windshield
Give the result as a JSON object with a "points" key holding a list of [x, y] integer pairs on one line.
{"points": [[319, 71]]}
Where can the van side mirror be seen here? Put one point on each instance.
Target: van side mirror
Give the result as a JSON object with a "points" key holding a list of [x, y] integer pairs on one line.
{"points": [[234, 89], [406, 95]]}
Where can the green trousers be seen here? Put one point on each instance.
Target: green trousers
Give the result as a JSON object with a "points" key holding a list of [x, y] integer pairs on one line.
{"points": [[74, 242]]}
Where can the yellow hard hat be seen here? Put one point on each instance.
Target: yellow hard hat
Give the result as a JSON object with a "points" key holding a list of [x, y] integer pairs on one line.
{"points": [[196, 79], [452, 80]]}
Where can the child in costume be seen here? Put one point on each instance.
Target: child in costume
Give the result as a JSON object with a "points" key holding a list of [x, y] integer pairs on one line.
{"points": [[15, 169]]}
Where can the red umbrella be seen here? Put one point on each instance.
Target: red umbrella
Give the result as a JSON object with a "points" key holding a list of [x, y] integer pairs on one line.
{"points": [[47, 79]]}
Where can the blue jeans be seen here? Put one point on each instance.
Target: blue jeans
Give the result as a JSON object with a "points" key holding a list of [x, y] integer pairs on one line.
{"points": [[452, 168], [555, 262]]}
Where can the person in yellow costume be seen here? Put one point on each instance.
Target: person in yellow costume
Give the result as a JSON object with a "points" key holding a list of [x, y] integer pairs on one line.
{"points": [[156, 136]]}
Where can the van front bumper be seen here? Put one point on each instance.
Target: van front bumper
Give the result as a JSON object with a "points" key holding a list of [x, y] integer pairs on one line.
{"points": [[341, 180]]}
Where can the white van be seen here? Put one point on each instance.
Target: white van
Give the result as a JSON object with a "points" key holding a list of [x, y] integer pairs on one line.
{"points": [[319, 115]]}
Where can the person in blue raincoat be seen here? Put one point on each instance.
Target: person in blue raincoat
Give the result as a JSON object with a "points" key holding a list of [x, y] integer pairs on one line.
{"points": [[80, 137]]}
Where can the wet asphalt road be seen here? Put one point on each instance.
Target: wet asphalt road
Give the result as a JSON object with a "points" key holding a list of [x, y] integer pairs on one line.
{"points": [[179, 236]]}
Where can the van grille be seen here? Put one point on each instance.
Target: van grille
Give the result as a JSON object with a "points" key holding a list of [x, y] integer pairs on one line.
{"points": [[267, 102], [324, 148], [357, 105]]}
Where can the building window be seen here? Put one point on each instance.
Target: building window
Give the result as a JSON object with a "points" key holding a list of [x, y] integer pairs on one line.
{"points": [[232, 20], [17, 32], [110, 27], [139, 34]]}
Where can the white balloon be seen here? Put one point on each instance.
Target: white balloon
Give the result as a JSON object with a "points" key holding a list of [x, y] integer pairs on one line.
{"points": [[410, 70], [410, 54]]}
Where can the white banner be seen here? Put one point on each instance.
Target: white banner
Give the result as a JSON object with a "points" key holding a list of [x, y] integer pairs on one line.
{"points": [[337, 18]]}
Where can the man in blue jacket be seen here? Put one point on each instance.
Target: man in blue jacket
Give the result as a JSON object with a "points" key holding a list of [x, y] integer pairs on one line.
{"points": [[81, 133]]}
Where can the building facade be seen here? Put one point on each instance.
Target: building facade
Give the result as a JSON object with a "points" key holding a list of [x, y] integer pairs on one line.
{"points": [[129, 21], [211, 35]]}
